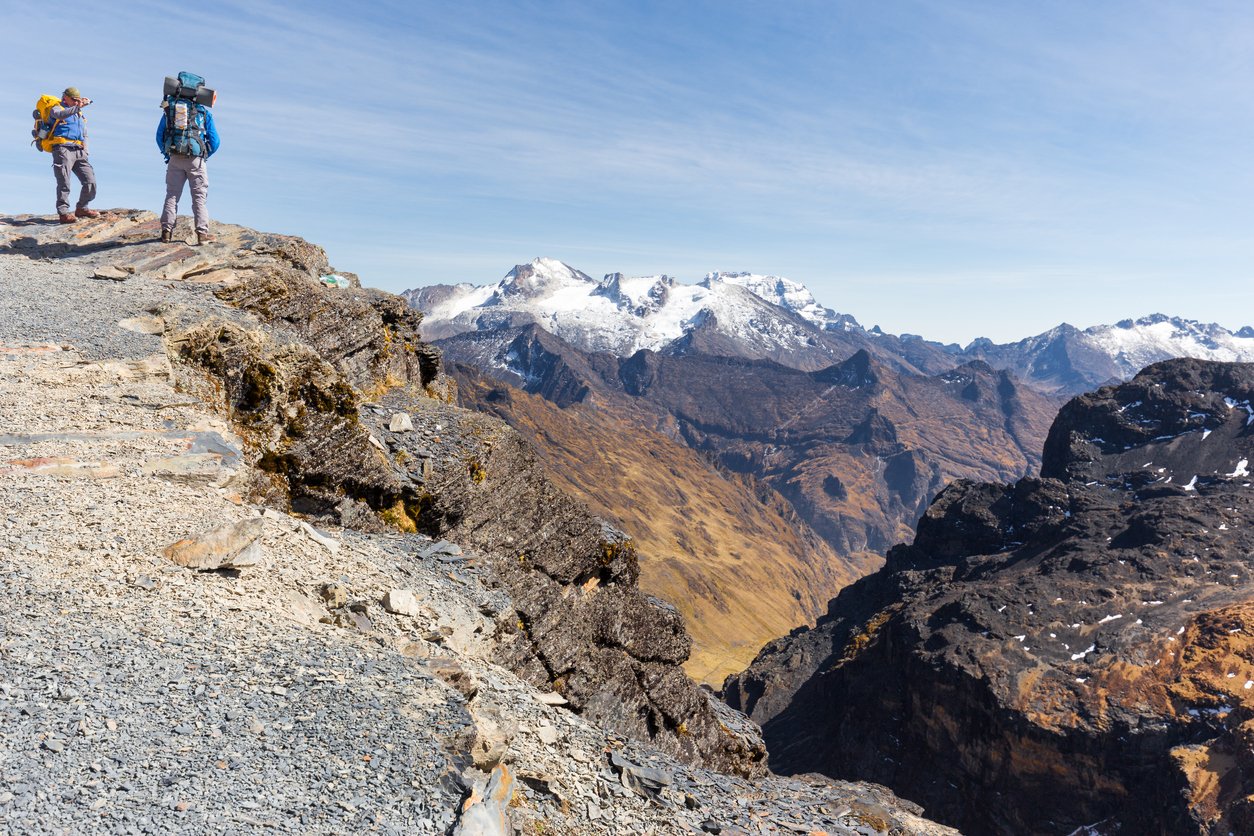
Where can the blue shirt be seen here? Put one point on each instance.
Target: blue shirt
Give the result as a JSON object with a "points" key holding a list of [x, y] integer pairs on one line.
{"points": [[211, 133], [70, 124]]}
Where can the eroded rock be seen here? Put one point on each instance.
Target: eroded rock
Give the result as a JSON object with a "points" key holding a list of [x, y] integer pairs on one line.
{"points": [[231, 546], [485, 812]]}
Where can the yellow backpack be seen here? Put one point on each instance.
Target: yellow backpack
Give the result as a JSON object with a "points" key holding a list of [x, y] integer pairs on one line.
{"points": [[45, 124]]}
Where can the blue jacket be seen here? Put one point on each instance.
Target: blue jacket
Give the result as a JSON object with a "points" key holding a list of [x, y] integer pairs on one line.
{"points": [[70, 124], [211, 133]]}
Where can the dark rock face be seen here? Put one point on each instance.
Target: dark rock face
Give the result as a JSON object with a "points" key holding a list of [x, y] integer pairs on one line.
{"points": [[583, 626], [1165, 410], [1059, 652]]}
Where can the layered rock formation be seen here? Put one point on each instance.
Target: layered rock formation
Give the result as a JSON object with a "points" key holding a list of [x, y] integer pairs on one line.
{"points": [[1060, 652]]}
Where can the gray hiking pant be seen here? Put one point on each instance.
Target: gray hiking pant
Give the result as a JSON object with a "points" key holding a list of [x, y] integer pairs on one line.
{"points": [[67, 160], [192, 171]]}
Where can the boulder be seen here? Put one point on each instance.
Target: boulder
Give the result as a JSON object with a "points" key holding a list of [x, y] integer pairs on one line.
{"points": [[485, 812], [402, 602], [231, 546]]}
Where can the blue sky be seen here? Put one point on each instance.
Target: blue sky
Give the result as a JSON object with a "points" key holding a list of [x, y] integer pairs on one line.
{"points": [[952, 169]]}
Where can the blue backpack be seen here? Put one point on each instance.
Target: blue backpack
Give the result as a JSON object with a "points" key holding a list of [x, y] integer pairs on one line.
{"points": [[186, 100]]}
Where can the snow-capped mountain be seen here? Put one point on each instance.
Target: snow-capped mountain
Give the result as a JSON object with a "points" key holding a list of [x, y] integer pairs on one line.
{"points": [[1136, 344], [787, 294], [1070, 360], [770, 317], [763, 316]]}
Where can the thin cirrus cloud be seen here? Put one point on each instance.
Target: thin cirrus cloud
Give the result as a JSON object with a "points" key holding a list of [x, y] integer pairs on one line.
{"points": [[974, 153]]}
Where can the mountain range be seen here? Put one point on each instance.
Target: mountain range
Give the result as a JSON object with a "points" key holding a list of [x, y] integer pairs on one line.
{"points": [[769, 317]]}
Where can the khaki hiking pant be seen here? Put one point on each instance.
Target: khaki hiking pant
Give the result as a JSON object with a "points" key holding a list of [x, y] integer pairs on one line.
{"points": [[192, 171], [67, 160]]}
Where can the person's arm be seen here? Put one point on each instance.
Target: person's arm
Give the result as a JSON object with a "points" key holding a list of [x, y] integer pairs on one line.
{"points": [[211, 133], [161, 136], [61, 111]]}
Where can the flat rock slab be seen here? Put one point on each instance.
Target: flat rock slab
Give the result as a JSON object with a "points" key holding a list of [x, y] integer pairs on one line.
{"points": [[116, 274], [441, 548], [143, 324], [191, 467], [402, 602], [232, 546]]}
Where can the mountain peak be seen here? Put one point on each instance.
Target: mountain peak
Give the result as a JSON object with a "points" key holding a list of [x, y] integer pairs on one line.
{"points": [[786, 293], [542, 277]]}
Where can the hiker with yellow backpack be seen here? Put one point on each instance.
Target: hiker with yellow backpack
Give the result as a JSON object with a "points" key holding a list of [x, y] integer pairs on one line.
{"points": [[61, 128]]}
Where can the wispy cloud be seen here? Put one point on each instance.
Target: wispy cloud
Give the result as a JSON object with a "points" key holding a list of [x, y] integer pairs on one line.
{"points": [[955, 147]]}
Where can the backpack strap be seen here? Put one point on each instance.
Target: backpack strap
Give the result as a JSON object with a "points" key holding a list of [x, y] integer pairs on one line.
{"points": [[202, 122], [52, 129]]}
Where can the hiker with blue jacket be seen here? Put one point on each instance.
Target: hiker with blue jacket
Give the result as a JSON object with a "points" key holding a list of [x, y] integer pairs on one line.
{"points": [[187, 138], [69, 156]]}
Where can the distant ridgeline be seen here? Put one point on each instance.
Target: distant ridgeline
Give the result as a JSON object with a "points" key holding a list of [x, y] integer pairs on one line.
{"points": [[769, 317]]}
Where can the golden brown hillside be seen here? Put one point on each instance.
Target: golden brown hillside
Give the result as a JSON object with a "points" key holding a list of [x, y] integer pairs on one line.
{"points": [[742, 570]]}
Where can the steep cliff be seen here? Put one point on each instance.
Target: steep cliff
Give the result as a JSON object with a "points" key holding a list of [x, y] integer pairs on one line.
{"points": [[1061, 652]]}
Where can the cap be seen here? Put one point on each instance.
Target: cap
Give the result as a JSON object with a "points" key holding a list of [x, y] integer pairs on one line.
{"points": [[71, 93]]}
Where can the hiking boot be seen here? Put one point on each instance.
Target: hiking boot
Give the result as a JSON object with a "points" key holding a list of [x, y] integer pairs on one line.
{"points": [[66, 219], [86, 213], [167, 235], [203, 238]]}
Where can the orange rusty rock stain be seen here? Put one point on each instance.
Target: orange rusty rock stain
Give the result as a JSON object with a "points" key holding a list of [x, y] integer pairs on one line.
{"points": [[44, 461], [60, 466]]}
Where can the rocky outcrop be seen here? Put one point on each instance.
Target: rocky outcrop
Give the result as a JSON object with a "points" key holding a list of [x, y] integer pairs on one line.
{"points": [[311, 376], [1061, 652], [581, 625]]}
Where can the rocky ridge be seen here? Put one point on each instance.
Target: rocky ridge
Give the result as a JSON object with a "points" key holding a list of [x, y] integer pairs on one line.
{"points": [[1075, 646], [320, 678]]}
